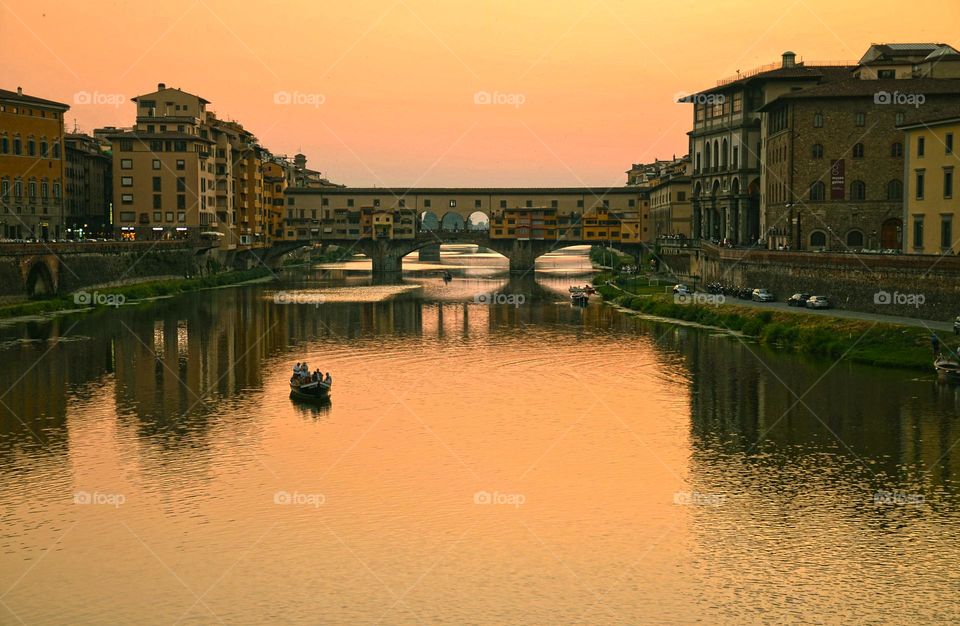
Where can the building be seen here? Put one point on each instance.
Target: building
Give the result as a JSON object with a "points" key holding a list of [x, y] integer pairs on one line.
{"points": [[88, 196], [582, 214], [671, 208], [642, 173], [32, 166], [726, 146], [834, 155], [931, 208]]}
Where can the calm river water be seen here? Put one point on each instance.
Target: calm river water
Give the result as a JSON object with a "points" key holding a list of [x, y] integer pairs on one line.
{"points": [[520, 462]]}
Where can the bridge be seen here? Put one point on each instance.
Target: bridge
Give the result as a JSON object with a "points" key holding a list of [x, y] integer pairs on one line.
{"points": [[386, 255]]}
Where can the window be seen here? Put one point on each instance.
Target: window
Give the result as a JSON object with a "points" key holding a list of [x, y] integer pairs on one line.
{"points": [[818, 239], [168, 216], [855, 239], [4, 187], [735, 159], [918, 231], [453, 204], [17, 146], [737, 102], [156, 216], [896, 149], [126, 145], [181, 201], [181, 216], [43, 147], [127, 216], [44, 189], [56, 150], [921, 146], [948, 143], [858, 151], [946, 232], [919, 184], [126, 164], [126, 181], [899, 118], [948, 182], [18, 188], [5, 145], [157, 203], [817, 192], [32, 188], [579, 204], [126, 198], [818, 120], [817, 151], [376, 202], [681, 196], [31, 147], [350, 202], [606, 204], [476, 204], [886, 74], [426, 204], [894, 190], [403, 202], [156, 183], [503, 204], [182, 183], [860, 119], [858, 190], [181, 165]]}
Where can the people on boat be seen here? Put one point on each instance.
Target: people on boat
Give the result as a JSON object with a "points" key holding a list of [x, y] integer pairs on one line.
{"points": [[329, 379]]}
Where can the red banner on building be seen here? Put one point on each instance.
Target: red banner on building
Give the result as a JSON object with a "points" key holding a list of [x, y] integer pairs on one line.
{"points": [[838, 183]]}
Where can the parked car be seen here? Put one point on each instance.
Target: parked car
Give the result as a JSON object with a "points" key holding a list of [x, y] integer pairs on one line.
{"points": [[681, 289], [818, 302], [798, 299], [763, 295]]}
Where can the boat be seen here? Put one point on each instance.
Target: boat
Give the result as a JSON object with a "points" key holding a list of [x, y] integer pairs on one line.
{"points": [[947, 370], [311, 391], [447, 277], [580, 298]]}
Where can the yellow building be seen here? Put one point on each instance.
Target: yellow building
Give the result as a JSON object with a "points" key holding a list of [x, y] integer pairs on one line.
{"points": [[31, 166], [931, 199]]}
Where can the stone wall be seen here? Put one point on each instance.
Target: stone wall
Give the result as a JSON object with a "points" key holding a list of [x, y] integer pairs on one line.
{"points": [[921, 286]]}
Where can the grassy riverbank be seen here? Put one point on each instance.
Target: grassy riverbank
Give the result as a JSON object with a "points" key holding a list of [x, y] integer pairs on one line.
{"points": [[133, 292], [858, 341]]}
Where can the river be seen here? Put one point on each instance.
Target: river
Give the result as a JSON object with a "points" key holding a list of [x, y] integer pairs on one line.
{"points": [[491, 455]]}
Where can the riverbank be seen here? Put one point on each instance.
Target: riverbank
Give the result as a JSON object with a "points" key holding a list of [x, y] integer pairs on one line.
{"points": [[131, 293], [866, 342]]}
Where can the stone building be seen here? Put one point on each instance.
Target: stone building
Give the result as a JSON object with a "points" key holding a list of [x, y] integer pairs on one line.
{"points": [[671, 209], [88, 188], [834, 166], [31, 166], [726, 145]]}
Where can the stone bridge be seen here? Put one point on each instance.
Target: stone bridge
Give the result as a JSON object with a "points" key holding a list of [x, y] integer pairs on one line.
{"points": [[45, 269], [387, 255]]}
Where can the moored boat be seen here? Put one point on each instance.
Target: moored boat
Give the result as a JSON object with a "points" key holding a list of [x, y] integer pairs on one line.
{"points": [[311, 390], [947, 370]]}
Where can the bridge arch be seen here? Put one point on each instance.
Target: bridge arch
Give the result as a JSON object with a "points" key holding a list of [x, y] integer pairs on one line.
{"points": [[452, 220], [40, 280], [478, 220], [429, 220]]}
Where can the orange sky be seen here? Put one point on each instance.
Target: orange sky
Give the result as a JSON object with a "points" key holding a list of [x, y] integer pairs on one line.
{"points": [[383, 91]]}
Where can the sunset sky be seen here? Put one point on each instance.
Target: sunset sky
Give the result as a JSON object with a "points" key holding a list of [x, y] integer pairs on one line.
{"points": [[383, 92]]}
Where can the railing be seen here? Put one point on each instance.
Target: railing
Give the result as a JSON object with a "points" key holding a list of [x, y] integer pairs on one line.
{"points": [[769, 67]]}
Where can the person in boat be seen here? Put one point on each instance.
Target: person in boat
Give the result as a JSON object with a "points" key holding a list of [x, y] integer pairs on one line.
{"points": [[296, 370], [328, 380]]}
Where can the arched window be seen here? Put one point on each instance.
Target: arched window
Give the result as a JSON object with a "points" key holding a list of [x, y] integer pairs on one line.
{"points": [[896, 149], [56, 150], [723, 154], [894, 190], [716, 155], [4, 144], [706, 157], [818, 239], [818, 120], [43, 147], [698, 161], [817, 193], [858, 190], [817, 151], [855, 239], [858, 151]]}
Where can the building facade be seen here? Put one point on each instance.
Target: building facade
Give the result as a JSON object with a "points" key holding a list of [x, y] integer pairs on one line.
{"points": [[617, 215], [32, 166], [88, 196], [931, 201], [834, 155], [726, 147], [671, 208]]}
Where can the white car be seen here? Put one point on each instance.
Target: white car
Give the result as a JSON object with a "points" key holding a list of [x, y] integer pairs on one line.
{"points": [[681, 289], [818, 302], [762, 295]]}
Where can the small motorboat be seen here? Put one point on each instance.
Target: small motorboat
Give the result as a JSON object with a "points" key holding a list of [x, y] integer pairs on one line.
{"points": [[948, 370], [580, 298], [309, 390]]}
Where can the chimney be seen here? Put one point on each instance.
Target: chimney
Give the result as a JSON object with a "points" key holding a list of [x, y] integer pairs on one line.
{"points": [[161, 86], [789, 59], [19, 91]]}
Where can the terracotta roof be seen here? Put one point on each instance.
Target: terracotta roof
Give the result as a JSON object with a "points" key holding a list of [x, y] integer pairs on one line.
{"points": [[821, 73], [14, 96]]}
